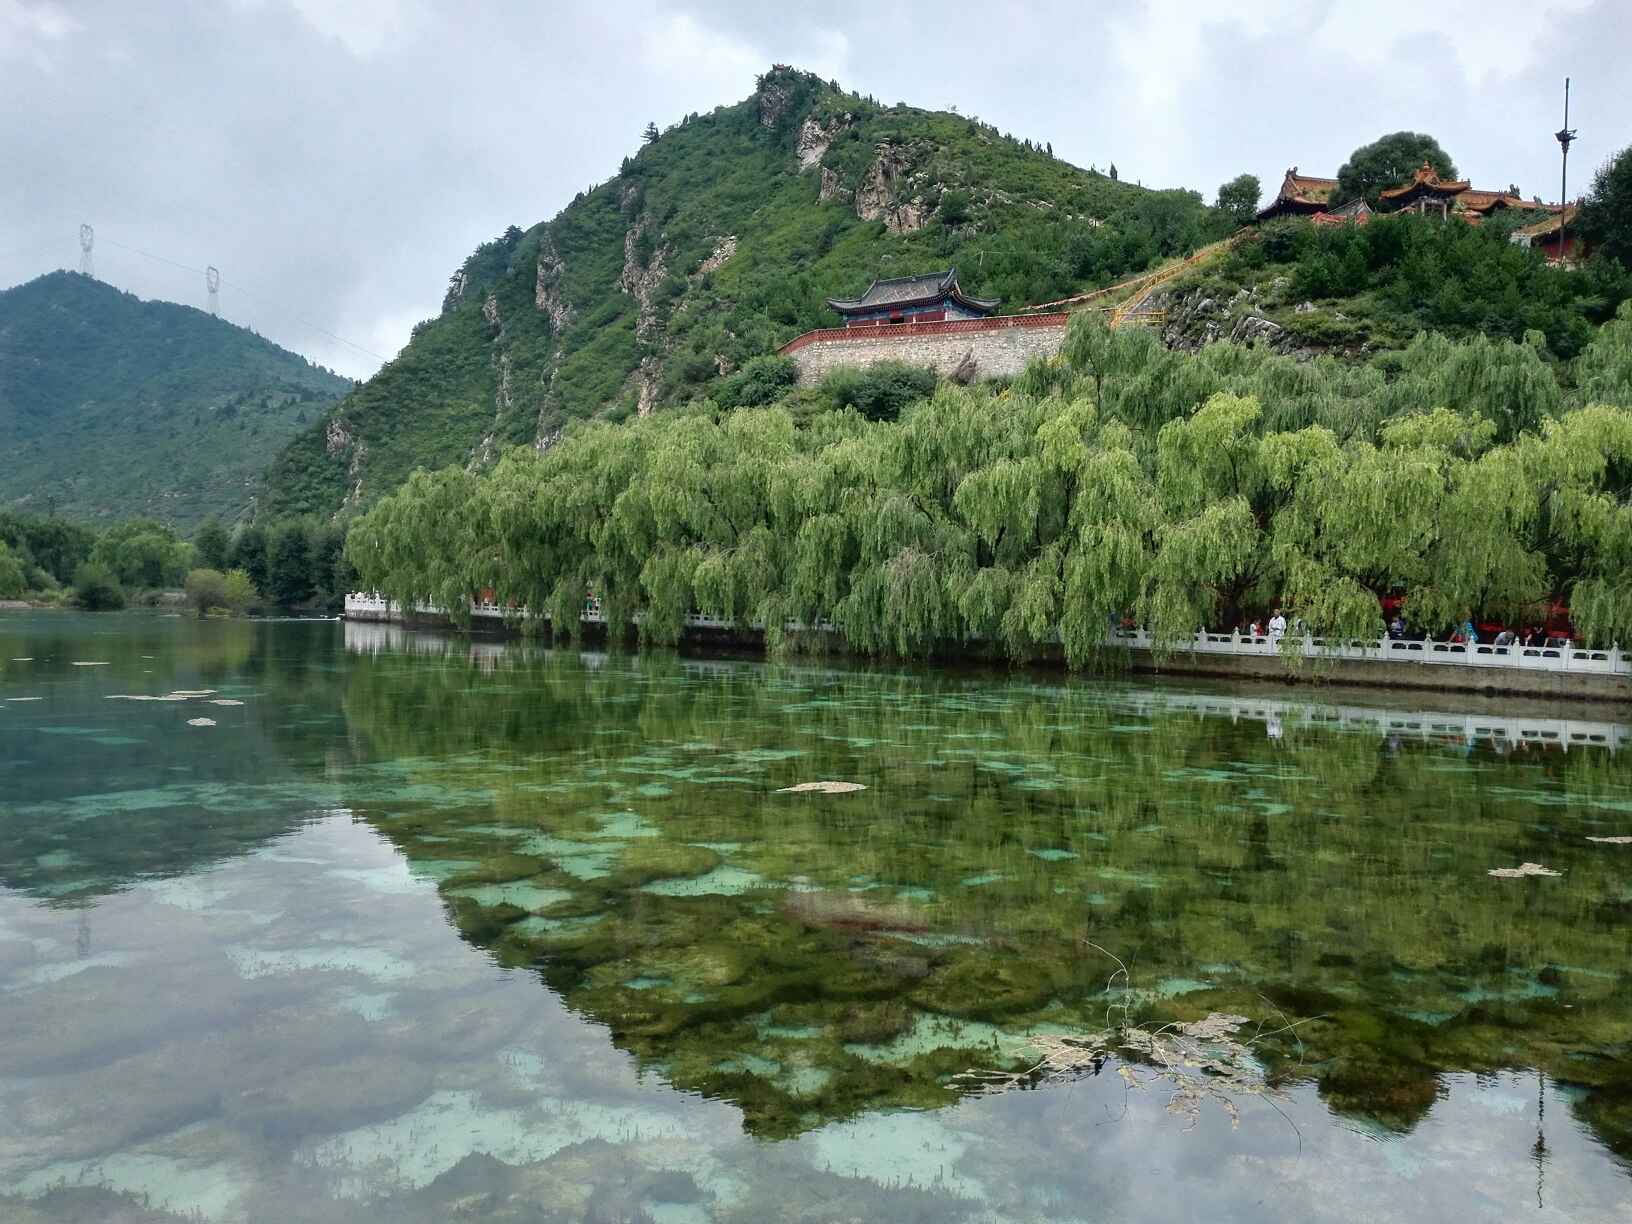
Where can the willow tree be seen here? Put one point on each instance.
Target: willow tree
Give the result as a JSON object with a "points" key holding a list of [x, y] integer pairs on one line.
{"points": [[422, 544]]}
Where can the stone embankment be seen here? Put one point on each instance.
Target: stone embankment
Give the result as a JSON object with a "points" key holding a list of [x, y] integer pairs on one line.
{"points": [[964, 350], [1566, 672]]}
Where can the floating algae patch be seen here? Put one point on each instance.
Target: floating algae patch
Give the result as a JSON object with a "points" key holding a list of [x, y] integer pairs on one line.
{"points": [[625, 825], [724, 880], [195, 1189], [537, 927], [522, 895], [441, 869], [251, 962], [987, 877], [394, 878], [579, 860], [370, 1006], [412, 1150], [900, 1150]]}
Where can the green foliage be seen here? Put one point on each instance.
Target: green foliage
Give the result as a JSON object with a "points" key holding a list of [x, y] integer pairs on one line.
{"points": [[879, 392], [290, 579], [1606, 212], [1403, 273], [1238, 198], [111, 406], [249, 554], [610, 299], [761, 381], [1387, 162], [52, 545], [1122, 479], [212, 545], [97, 589], [142, 554], [206, 589], [954, 207], [237, 591], [13, 578]]}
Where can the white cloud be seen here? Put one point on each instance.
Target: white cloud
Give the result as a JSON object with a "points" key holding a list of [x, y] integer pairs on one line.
{"points": [[29, 27], [363, 27]]}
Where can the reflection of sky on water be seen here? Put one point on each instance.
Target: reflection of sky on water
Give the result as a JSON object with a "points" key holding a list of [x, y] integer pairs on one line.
{"points": [[224, 993], [299, 1033]]}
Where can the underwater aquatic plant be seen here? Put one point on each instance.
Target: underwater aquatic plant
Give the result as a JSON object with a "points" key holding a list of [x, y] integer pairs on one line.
{"points": [[1197, 1061]]}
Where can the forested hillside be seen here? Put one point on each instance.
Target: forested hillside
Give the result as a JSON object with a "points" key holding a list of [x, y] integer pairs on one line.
{"points": [[111, 406], [713, 244], [1124, 479]]}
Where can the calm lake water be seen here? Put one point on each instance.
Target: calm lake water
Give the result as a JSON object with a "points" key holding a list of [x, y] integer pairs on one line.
{"points": [[303, 921]]}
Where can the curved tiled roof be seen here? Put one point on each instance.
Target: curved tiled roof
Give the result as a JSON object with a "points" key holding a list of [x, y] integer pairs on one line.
{"points": [[1427, 179], [913, 291], [1549, 225]]}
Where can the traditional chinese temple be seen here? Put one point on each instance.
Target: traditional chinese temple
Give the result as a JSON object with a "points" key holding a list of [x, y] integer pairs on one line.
{"points": [[913, 299], [1554, 236], [1301, 195]]}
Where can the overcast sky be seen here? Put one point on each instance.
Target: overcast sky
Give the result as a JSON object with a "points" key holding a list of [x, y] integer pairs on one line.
{"points": [[337, 159]]}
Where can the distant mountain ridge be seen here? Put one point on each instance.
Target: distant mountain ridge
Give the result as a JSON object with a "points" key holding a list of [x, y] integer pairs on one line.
{"points": [[112, 406], [717, 241]]}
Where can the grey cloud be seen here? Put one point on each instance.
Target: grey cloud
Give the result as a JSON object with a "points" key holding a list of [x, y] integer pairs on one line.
{"points": [[344, 187]]}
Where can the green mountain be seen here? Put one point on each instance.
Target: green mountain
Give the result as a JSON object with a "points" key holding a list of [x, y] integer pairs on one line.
{"points": [[111, 406], [713, 244]]}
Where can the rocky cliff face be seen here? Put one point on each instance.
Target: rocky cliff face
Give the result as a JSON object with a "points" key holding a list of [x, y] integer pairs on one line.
{"points": [[890, 192], [547, 286], [709, 247]]}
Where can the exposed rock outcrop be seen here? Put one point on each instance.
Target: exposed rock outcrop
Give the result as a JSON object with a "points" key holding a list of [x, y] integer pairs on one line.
{"points": [[888, 192], [815, 138], [723, 250], [833, 188], [336, 437], [641, 281], [490, 314], [456, 291], [547, 287], [774, 98]]}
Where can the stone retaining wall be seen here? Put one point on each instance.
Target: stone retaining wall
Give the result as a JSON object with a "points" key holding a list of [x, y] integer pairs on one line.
{"points": [[967, 350]]}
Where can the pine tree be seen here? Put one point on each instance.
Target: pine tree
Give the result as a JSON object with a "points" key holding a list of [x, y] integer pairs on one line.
{"points": [[651, 133], [1113, 172]]}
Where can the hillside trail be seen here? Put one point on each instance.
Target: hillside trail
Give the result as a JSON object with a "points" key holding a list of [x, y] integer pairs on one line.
{"points": [[1136, 307]]}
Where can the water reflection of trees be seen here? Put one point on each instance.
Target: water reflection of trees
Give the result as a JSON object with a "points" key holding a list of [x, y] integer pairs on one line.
{"points": [[1336, 875]]}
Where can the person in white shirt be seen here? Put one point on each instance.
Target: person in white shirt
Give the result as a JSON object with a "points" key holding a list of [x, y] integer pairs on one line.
{"points": [[1277, 626]]}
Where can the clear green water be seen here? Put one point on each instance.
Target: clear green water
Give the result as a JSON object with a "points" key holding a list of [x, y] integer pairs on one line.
{"points": [[427, 930]]}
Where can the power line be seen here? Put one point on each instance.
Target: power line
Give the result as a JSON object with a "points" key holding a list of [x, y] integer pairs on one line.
{"points": [[243, 292]]}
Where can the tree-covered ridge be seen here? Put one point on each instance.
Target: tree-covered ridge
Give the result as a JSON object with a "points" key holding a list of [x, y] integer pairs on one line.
{"points": [[1121, 479], [715, 243], [1361, 289], [111, 406]]}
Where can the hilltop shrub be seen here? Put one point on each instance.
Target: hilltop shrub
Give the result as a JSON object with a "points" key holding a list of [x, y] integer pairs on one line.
{"points": [[881, 391], [761, 381]]}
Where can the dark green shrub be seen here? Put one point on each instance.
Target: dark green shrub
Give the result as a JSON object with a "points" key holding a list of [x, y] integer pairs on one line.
{"points": [[760, 381], [96, 589], [881, 391]]}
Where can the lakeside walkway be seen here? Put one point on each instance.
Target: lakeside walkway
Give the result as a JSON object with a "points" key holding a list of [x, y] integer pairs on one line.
{"points": [[1550, 671]]}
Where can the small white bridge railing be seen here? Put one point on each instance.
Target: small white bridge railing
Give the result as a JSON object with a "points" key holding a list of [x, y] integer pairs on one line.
{"points": [[1572, 658]]}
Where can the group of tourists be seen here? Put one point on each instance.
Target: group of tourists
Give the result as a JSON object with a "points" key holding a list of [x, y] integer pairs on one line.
{"points": [[1274, 631], [1467, 633]]}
